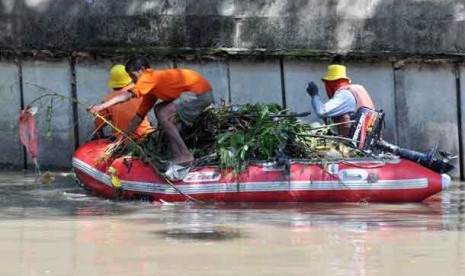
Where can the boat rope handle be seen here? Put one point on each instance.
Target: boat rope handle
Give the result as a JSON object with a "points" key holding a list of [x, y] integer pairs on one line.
{"points": [[383, 163]]}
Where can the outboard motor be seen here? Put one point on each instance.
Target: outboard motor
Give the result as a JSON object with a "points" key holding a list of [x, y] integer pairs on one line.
{"points": [[366, 134], [430, 159], [366, 129]]}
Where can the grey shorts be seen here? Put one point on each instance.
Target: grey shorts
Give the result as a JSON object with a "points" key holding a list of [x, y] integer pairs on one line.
{"points": [[189, 105]]}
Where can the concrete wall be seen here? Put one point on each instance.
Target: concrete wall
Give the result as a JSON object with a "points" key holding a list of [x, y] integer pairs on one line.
{"points": [[10, 93], [428, 108], [311, 26], [255, 82], [91, 88], [422, 102], [426, 99]]}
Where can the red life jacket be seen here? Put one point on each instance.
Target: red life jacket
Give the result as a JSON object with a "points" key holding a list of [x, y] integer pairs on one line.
{"points": [[362, 98]]}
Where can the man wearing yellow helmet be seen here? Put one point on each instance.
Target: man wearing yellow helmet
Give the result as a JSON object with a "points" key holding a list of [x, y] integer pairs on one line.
{"points": [[183, 95], [120, 115], [344, 98]]}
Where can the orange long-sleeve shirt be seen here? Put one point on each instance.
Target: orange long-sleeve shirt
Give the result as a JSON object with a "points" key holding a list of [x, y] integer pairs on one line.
{"points": [[167, 85], [121, 115]]}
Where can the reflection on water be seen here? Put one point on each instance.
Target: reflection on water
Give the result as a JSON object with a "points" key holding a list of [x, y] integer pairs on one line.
{"points": [[60, 229]]}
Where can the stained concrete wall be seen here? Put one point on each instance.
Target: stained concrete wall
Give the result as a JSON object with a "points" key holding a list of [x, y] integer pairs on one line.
{"points": [[426, 99], [427, 107], [364, 26]]}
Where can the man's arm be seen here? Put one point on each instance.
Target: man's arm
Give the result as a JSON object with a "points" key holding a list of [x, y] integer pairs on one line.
{"points": [[147, 103], [94, 109], [343, 102], [136, 120]]}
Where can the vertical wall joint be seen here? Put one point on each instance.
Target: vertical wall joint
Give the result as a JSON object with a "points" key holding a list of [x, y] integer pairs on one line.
{"points": [[72, 65], [459, 118], [21, 91], [283, 82]]}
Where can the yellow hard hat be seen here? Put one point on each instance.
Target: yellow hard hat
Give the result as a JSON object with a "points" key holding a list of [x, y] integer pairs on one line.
{"points": [[336, 72], [119, 77]]}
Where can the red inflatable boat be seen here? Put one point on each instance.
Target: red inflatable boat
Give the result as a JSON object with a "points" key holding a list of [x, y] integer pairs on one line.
{"points": [[351, 180]]}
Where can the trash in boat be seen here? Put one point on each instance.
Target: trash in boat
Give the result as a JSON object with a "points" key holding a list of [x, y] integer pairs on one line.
{"points": [[176, 172]]}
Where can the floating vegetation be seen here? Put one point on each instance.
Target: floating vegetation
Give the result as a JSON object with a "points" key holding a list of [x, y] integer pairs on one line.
{"points": [[47, 178]]}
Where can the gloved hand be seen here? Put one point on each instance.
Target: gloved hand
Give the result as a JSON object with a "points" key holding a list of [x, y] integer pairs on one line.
{"points": [[312, 89]]}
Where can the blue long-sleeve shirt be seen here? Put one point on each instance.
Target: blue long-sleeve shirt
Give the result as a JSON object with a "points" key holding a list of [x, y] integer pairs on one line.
{"points": [[342, 103]]}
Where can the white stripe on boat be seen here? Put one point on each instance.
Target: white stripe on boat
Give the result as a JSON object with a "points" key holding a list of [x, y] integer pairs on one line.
{"points": [[233, 187]]}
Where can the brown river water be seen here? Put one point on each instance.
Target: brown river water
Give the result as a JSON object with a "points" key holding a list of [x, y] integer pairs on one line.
{"points": [[61, 229]]}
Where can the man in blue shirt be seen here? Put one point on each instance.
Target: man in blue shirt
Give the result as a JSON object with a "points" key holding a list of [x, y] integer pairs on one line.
{"points": [[344, 98]]}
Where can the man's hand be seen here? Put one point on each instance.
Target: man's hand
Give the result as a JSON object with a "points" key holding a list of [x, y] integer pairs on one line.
{"points": [[125, 96], [312, 89], [94, 109]]}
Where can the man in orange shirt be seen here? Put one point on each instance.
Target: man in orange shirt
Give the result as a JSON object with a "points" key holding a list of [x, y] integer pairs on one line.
{"points": [[184, 94], [120, 115]]}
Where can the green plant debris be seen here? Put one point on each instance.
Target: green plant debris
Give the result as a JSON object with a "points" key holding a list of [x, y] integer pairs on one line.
{"points": [[236, 136], [232, 137]]}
